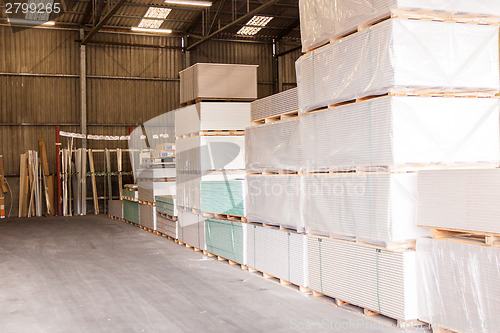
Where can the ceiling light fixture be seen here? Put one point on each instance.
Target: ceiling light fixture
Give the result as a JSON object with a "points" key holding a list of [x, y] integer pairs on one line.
{"points": [[190, 3], [162, 31], [154, 17], [255, 25], [31, 22]]}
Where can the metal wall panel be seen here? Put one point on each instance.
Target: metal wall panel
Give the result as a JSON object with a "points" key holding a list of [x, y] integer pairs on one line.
{"points": [[288, 77]]}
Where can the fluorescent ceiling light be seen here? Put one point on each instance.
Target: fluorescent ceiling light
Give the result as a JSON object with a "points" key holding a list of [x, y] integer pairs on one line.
{"points": [[163, 31], [190, 3], [31, 22], [259, 21], [254, 25], [154, 13], [249, 31]]}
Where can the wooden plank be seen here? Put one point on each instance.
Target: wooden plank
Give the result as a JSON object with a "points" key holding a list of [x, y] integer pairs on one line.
{"points": [[94, 188], [43, 157], [2, 176], [51, 188]]}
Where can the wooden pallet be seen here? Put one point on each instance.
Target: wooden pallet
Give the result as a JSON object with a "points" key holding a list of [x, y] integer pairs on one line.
{"points": [[147, 203], [225, 260], [129, 198], [194, 248], [170, 217], [276, 118], [369, 313], [414, 14], [211, 133], [227, 100], [276, 226], [228, 217], [273, 172], [441, 329], [283, 282], [390, 247], [465, 236]]}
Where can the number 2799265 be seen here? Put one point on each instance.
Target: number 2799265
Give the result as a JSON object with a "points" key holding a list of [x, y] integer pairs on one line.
{"points": [[40, 8]]}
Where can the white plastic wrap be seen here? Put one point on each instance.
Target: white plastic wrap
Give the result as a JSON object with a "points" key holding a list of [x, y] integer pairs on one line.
{"points": [[377, 280], [156, 173], [283, 102], [212, 116], [149, 190], [231, 81], [279, 253], [324, 20], [400, 55], [275, 200], [378, 208], [400, 131], [147, 216], [192, 229], [273, 146], [458, 285], [460, 199]]}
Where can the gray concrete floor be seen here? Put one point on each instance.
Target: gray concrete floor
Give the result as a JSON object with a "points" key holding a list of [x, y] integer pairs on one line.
{"points": [[94, 274]]}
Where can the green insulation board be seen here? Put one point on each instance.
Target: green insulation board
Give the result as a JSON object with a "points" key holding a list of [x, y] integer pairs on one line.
{"points": [[131, 211], [127, 193], [225, 239], [165, 204], [223, 197]]}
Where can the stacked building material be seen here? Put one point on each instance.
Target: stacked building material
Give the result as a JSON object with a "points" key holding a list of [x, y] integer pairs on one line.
{"points": [[147, 216], [279, 253], [226, 239], [210, 160], [166, 204], [203, 81], [115, 208], [281, 103], [167, 226], [131, 211], [371, 91]]}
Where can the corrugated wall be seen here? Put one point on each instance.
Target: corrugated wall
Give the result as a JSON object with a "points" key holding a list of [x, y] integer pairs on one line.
{"points": [[126, 85]]}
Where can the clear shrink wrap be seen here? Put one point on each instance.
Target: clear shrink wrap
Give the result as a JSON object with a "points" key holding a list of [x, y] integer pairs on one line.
{"points": [[273, 146], [206, 116], [377, 280], [283, 102], [223, 196], [149, 190], [275, 200], [460, 199], [401, 131], [324, 20], [147, 216], [458, 285], [280, 253], [378, 208], [191, 229], [400, 55]]}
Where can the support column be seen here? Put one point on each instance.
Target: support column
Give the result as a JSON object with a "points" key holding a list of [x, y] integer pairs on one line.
{"points": [[83, 89]]}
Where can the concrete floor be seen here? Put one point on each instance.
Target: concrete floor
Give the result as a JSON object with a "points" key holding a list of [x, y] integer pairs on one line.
{"points": [[94, 274]]}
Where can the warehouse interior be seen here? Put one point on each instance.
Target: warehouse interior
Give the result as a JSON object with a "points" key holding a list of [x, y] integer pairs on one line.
{"points": [[249, 165]]}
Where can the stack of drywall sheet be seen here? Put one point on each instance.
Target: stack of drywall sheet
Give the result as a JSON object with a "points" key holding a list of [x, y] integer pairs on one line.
{"points": [[209, 116], [283, 102], [131, 211], [166, 204], [149, 190], [228, 81], [147, 216], [223, 197], [460, 199], [130, 192], [157, 173], [399, 131], [274, 146], [226, 239], [191, 229], [280, 253], [378, 208], [324, 20], [166, 226], [400, 54], [458, 285], [115, 208], [377, 280], [275, 200]]}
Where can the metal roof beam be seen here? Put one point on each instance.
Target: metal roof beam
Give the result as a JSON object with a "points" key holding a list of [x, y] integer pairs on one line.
{"points": [[104, 20]]}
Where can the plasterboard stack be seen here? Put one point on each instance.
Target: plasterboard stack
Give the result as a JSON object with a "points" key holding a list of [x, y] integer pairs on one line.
{"points": [[167, 226], [226, 239], [115, 208], [458, 266], [265, 110], [367, 93], [167, 216], [210, 162], [130, 203]]}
